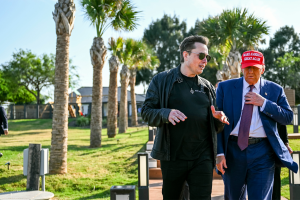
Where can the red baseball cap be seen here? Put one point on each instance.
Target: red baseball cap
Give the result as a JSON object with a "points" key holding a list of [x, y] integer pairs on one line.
{"points": [[252, 58]]}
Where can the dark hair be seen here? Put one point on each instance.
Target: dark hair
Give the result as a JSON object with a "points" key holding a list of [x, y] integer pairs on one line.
{"points": [[189, 43]]}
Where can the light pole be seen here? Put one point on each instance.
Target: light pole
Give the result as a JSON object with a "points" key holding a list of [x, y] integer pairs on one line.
{"points": [[295, 120], [151, 133], [143, 175], [123, 192]]}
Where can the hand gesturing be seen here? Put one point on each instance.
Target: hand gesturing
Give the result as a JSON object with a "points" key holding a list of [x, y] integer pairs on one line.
{"points": [[219, 115], [176, 116]]}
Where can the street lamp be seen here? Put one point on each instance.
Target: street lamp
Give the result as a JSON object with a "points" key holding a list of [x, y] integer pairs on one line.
{"points": [[151, 133], [143, 170], [295, 120], [295, 178], [123, 192]]}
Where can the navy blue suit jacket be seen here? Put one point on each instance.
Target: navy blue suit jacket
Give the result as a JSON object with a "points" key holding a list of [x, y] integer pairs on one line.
{"points": [[277, 109]]}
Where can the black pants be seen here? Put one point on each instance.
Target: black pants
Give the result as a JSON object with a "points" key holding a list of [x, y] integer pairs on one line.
{"points": [[277, 184], [198, 174]]}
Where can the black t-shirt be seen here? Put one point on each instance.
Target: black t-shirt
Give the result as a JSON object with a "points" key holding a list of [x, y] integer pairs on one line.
{"points": [[191, 137]]}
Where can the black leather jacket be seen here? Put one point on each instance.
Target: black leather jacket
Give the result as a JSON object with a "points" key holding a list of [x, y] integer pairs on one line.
{"points": [[156, 113]]}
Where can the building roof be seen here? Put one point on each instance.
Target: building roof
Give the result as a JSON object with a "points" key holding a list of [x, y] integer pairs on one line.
{"points": [[86, 94]]}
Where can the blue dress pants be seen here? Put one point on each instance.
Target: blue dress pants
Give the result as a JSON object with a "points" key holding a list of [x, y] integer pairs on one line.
{"points": [[250, 171]]}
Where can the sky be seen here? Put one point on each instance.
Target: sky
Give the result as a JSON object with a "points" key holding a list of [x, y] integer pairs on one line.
{"points": [[28, 24]]}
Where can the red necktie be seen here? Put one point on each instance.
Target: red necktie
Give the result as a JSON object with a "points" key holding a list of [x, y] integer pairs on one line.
{"points": [[245, 124]]}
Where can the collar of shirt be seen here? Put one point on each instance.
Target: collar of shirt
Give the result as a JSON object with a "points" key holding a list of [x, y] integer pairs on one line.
{"points": [[247, 88]]}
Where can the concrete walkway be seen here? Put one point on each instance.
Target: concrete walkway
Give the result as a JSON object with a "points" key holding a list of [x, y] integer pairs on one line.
{"points": [[217, 189], [34, 195]]}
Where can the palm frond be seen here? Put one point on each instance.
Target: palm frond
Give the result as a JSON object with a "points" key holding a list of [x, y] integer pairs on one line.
{"points": [[115, 46], [103, 14]]}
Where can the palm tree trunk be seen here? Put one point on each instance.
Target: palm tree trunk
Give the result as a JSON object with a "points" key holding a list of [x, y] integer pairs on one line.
{"points": [[63, 15], [59, 139], [112, 114], [98, 52], [234, 63], [123, 120], [134, 117]]}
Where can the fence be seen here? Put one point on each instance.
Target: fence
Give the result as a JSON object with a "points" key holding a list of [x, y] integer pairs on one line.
{"points": [[45, 111], [34, 111]]}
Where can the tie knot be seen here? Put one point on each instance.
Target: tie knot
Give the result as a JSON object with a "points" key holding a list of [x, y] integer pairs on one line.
{"points": [[251, 87]]}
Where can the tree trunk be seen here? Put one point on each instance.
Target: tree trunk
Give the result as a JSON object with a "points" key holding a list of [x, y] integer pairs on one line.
{"points": [[234, 63], [134, 117], [112, 105], [123, 119], [38, 97], [63, 15], [98, 53], [59, 139]]}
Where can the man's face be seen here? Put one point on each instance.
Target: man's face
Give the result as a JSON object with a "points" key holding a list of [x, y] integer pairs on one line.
{"points": [[252, 74], [193, 63]]}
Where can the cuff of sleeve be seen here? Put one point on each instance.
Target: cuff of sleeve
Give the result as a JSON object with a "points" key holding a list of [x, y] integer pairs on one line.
{"points": [[263, 106], [166, 113], [5, 129], [220, 154]]}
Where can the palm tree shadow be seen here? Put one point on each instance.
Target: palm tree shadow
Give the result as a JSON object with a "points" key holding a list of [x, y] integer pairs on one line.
{"points": [[11, 179]]}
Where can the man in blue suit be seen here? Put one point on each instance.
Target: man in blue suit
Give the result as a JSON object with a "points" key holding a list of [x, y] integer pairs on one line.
{"points": [[248, 147]]}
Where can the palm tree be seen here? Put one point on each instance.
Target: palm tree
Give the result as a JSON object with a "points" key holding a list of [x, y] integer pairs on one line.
{"points": [[233, 30], [63, 15], [112, 115], [103, 14], [125, 56], [142, 57]]}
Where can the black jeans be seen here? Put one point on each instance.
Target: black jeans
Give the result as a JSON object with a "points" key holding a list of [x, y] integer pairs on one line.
{"points": [[198, 174], [277, 184]]}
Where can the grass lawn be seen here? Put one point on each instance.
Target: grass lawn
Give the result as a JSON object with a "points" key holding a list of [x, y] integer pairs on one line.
{"points": [[91, 172], [290, 129]]}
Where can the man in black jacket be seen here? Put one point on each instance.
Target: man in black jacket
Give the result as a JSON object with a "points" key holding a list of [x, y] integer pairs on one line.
{"points": [[3, 121], [181, 105]]}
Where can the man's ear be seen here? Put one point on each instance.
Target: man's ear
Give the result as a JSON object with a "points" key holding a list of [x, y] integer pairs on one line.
{"points": [[262, 70], [185, 55]]}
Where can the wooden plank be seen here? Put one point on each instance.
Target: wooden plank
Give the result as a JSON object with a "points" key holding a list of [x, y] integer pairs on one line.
{"points": [[294, 136], [34, 166]]}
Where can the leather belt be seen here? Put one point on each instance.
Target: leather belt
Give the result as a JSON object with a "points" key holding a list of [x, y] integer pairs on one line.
{"points": [[250, 140]]}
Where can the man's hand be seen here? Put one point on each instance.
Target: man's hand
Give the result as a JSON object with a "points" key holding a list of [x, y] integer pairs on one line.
{"points": [[254, 98], [289, 148], [176, 116], [219, 115], [221, 163], [5, 132]]}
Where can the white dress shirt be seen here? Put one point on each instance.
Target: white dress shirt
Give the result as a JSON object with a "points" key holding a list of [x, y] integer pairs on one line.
{"points": [[256, 126]]}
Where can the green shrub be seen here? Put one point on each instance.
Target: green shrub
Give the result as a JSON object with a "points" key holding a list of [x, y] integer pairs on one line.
{"points": [[82, 121], [104, 121]]}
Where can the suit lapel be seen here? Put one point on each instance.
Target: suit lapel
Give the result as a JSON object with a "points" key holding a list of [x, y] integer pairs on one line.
{"points": [[263, 88], [237, 93], [264, 93]]}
